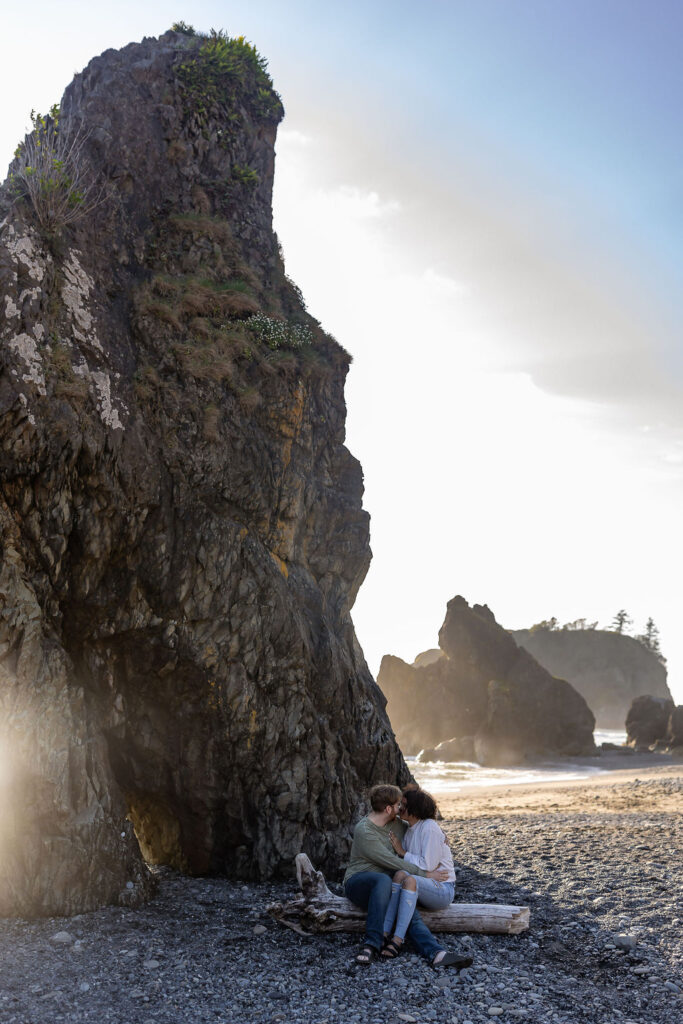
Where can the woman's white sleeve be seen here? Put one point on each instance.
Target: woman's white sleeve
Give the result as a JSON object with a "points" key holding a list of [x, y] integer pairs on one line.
{"points": [[428, 856]]}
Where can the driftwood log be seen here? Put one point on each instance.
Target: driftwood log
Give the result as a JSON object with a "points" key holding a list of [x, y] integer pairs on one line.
{"points": [[319, 910]]}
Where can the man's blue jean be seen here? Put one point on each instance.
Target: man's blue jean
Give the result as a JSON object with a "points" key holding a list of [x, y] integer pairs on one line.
{"points": [[371, 890]]}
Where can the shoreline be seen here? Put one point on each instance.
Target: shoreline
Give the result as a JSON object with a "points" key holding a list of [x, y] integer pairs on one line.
{"points": [[615, 787]]}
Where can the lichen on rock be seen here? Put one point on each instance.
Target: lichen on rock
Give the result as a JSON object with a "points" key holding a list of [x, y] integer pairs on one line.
{"points": [[26, 348], [75, 294]]}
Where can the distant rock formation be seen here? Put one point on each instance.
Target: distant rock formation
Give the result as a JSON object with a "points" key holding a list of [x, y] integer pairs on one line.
{"points": [[485, 694], [609, 669], [458, 748], [655, 723], [428, 657], [182, 530]]}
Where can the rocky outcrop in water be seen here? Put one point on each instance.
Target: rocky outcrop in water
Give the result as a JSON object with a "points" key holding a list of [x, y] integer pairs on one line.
{"points": [[654, 723], [485, 694], [609, 669], [674, 729], [181, 524]]}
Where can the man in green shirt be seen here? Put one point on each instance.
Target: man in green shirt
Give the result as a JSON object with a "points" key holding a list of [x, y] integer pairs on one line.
{"points": [[367, 881]]}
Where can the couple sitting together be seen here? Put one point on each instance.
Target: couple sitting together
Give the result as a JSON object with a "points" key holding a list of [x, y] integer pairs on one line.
{"points": [[393, 868]]}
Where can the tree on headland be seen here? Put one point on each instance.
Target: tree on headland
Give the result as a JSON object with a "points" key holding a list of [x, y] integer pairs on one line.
{"points": [[553, 625], [622, 622], [549, 624], [650, 639]]}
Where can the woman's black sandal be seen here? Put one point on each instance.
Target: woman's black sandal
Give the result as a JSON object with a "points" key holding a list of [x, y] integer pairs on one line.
{"points": [[366, 955], [391, 950]]}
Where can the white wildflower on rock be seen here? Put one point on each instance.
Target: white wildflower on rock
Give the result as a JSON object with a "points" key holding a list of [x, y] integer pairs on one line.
{"points": [[276, 333]]}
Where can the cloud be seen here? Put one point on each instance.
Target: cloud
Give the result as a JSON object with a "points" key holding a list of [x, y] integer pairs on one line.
{"points": [[442, 285], [360, 204], [541, 290], [288, 137]]}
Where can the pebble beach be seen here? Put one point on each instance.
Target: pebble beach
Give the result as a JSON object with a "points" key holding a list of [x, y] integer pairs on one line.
{"points": [[598, 862]]}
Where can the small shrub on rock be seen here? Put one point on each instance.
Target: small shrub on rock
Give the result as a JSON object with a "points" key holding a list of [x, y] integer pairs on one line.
{"points": [[221, 70], [50, 172]]}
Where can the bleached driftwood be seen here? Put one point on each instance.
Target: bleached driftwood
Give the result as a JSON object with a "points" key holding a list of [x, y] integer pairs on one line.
{"points": [[319, 910]]}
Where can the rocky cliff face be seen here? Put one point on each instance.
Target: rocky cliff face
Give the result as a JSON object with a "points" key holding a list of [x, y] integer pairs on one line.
{"points": [[485, 693], [609, 669], [181, 524]]}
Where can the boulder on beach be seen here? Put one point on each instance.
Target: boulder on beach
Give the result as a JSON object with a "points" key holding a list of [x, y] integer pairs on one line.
{"points": [[483, 690]]}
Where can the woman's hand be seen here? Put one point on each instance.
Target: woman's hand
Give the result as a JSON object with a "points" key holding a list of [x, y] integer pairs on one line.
{"points": [[438, 874], [396, 843]]}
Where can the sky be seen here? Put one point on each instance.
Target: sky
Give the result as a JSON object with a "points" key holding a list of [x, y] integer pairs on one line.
{"points": [[482, 201]]}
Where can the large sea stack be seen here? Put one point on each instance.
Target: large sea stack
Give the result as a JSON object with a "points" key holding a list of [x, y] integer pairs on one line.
{"points": [[182, 529], [482, 697], [609, 669]]}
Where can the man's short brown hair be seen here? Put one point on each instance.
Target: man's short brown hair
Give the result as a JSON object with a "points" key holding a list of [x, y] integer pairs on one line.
{"points": [[384, 796]]}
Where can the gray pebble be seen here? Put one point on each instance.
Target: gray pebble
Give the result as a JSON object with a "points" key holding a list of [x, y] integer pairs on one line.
{"points": [[625, 941], [201, 934]]}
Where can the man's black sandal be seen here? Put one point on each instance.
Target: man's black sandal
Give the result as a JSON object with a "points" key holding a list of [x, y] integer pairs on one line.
{"points": [[391, 950], [458, 960], [366, 955]]}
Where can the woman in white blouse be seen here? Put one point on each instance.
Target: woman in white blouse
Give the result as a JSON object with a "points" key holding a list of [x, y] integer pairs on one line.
{"points": [[424, 844]]}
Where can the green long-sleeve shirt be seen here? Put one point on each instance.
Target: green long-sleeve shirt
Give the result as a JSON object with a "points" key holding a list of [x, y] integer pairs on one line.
{"points": [[371, 850]]}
